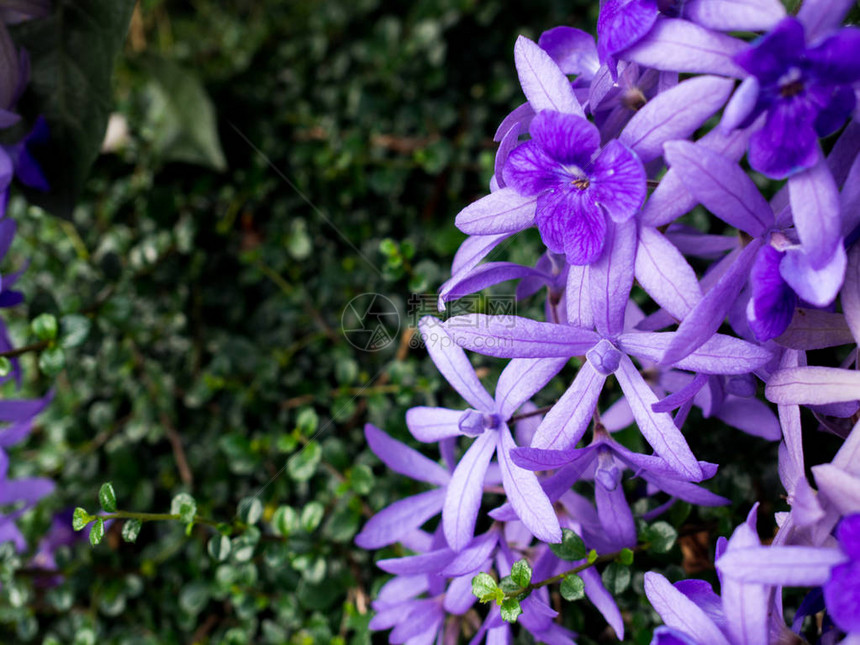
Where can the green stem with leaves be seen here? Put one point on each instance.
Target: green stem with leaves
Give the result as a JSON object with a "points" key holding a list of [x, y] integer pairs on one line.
{"points": [[591, 562]]}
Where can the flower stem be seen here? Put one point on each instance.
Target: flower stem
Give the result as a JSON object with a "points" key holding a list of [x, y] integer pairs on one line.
{"points": [[35, 347], [159, 517], [602, 559]]}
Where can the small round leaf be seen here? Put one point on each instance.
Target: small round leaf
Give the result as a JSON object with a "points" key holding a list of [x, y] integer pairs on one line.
{"points": [[131, 529], [107, 498]]}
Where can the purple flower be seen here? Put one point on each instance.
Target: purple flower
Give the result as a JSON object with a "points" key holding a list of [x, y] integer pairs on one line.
{"points": [[487, 421], [576, 183], [16, 160], [805, 91], [842, 590], [550, 271], [15, 11], [608, 352], [406, 515], [676, 35], [731, 399], [429, 585], [25, 492], [772, 301], [623, 23], [573, 50], [602, 459], [695, 615], [836, 569], [813, 268]]}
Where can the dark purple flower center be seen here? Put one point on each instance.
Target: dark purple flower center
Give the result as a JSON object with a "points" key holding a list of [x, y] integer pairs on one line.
{"points": [[473, 423], [670, 8], [791, 84], [634, 99], [607, 473]]}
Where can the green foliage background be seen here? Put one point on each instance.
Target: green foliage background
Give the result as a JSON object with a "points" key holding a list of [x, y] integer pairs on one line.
{"points": [[283, 157]]}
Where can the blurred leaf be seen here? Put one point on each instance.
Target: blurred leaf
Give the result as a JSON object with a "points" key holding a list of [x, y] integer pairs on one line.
{"points": [[312, 515], [250, 510], [131, 529], [184, 506], [52, 361], [616, 578], [219, 547], [44, 327], [302, 465], [661, 536], [182, 116], [72, 57], [285, 520], [75, 329]]}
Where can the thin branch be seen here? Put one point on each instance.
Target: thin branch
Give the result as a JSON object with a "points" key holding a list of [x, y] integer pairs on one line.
{"points": [[35, 347], [533, 413]]}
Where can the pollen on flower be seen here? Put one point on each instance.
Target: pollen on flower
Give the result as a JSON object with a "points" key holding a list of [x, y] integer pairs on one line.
{"points": [[791, 83], [634, 99]]}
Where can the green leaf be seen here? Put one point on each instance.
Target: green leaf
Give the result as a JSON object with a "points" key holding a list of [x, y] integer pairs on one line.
{"points": [[307, 421], [302, 465], [572, 587], [131, 529], [194, 597], [511, 610], [72, 56], [571, 548], [616, 578], [389, 247], [484, 587], [285, 520], [44, 327], [181, 116], [5, 366], [508, 586], [250, 510], [661, 536], [80, 518], [521, 573], [312, 515], [184, 506], [74, 330], [625, 557], [52, 361], [361, 479], [342, 523], [97, 532], [592, 556], [107, 498], [219, 547]]}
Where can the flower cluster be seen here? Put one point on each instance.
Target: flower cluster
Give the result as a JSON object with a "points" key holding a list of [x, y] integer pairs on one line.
{"points": [[16, 161], [617, 140]]}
